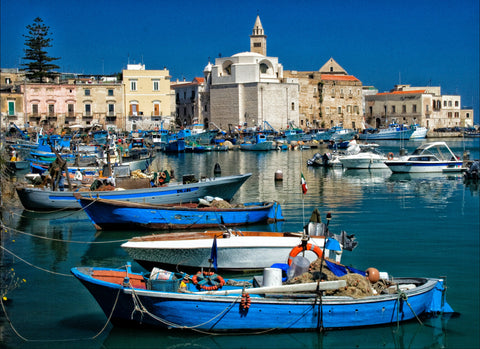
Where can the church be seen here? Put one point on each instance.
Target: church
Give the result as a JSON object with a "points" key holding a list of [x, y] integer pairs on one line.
{"points": [[248, 89]]}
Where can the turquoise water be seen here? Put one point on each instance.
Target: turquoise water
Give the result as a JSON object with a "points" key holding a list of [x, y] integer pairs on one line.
{"points": [[425, 225]]}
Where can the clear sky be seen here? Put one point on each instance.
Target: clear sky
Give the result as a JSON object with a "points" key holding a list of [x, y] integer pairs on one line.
{"points": [[382, 43]]}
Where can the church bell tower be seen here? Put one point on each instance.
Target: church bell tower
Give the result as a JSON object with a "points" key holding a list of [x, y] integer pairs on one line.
{"points": [[258, 40]]}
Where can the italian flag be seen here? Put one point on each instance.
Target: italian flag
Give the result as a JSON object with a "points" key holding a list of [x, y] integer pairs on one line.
{"points": [[304, 185]]}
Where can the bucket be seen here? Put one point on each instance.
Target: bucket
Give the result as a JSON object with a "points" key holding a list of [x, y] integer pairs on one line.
{"points": [[272, 277], [299, 266]]}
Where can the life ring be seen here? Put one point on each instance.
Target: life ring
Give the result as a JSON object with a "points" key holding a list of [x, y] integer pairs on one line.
{"points": [[390, 156], [297, 249], [161, 177], [208, 281]]}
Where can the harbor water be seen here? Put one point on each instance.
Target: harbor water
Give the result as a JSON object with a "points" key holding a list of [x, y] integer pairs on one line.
{"points": [[406, 225]]}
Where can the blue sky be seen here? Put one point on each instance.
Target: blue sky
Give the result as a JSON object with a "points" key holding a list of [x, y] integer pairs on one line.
{"points": [[382, 43]]}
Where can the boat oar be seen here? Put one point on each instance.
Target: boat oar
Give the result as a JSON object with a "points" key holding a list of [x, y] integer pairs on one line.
{"points": [[311, 286]]}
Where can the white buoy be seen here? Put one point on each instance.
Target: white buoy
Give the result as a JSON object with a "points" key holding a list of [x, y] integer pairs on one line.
{"points": [[279, 175]]}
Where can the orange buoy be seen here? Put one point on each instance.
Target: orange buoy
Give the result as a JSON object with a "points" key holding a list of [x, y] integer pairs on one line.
{"points": [[372, 275]]}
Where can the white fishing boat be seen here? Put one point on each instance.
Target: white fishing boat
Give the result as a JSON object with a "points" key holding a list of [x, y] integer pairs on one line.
{"points": [[236, 250], [419, 132], [429, 157]]}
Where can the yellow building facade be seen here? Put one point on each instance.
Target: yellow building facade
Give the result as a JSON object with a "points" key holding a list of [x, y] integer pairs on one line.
{"points": [[147, 97]]}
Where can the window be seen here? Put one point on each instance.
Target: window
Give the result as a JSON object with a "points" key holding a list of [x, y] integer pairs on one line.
{"points": [[11, 108], [449, 114], [133, 85], [404, 109], [393, 109], [339, 110], [263, 68], [8, 81], [88, 109], [349, 109], [370, 109], [444, 103], [457, 114], [87, 92], [51, 109], [156, 84], [456, 103], [414, 108], [70, 109], [110, 92], [355, 109], [449, 103], [111, 109], [257, 44], [35, 109], [293, 106]]}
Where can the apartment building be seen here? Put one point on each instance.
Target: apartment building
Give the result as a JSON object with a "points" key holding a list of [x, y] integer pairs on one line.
{"points": [[147, 97]]}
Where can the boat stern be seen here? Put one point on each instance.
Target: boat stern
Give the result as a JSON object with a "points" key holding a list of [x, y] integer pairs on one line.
{"points": [[439, 303]]}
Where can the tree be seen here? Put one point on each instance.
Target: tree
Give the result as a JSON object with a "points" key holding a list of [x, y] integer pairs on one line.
{"points": [[36, 42]]}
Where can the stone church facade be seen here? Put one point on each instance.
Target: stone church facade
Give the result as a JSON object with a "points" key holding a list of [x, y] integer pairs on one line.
{"points": [[249, 89]]}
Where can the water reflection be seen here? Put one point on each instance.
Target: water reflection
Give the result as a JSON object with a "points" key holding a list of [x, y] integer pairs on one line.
{"points": [[433, 334]]}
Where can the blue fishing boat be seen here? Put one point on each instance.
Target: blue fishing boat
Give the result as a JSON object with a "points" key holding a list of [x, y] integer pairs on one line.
{"points": [[208, 302], [116, 214], [259, 143]]}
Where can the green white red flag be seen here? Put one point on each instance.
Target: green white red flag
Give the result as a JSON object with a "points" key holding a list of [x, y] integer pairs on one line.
{"points": [[304, 185]]}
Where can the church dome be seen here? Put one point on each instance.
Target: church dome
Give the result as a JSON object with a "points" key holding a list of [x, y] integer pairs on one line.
{"points": [[248, 54], [208, 68]]}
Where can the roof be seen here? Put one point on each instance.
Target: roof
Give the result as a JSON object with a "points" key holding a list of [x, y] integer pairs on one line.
{"points": [[401, 92], [338, 77]]}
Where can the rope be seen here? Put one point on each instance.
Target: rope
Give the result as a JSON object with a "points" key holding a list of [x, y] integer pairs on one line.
{"points": [[32, 265], [60, 340], [60, 240], [404, 297]]}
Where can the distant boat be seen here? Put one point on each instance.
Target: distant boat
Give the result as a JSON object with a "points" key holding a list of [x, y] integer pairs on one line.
{"points": [[261, 143], [224, 187], [392, 132], [429, 157], [419, 132], [368, 158], [116, 214]]}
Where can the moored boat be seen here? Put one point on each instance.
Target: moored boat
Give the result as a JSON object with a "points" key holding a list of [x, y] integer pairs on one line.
{"points": [[117, 214], [35, 198], [428, 157], [260, 143], [208, 302]]}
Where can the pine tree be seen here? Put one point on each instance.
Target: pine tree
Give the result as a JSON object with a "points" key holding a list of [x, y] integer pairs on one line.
{"points": [[36, 42]]}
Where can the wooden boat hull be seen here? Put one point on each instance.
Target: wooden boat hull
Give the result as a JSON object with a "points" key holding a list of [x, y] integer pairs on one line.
{"points": [[224, 187], [214, 312], [242, 251], [115, 214]]}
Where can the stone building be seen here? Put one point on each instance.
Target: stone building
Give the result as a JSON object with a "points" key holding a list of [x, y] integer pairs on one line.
{"points": [[99, 101], [147, 97], [189, 104], [329, 97], [249, 89], [11, 98], [408, 105], [50, 105]]}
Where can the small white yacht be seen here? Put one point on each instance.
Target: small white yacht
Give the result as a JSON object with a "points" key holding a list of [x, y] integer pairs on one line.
{"points": [[429, 157]]}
